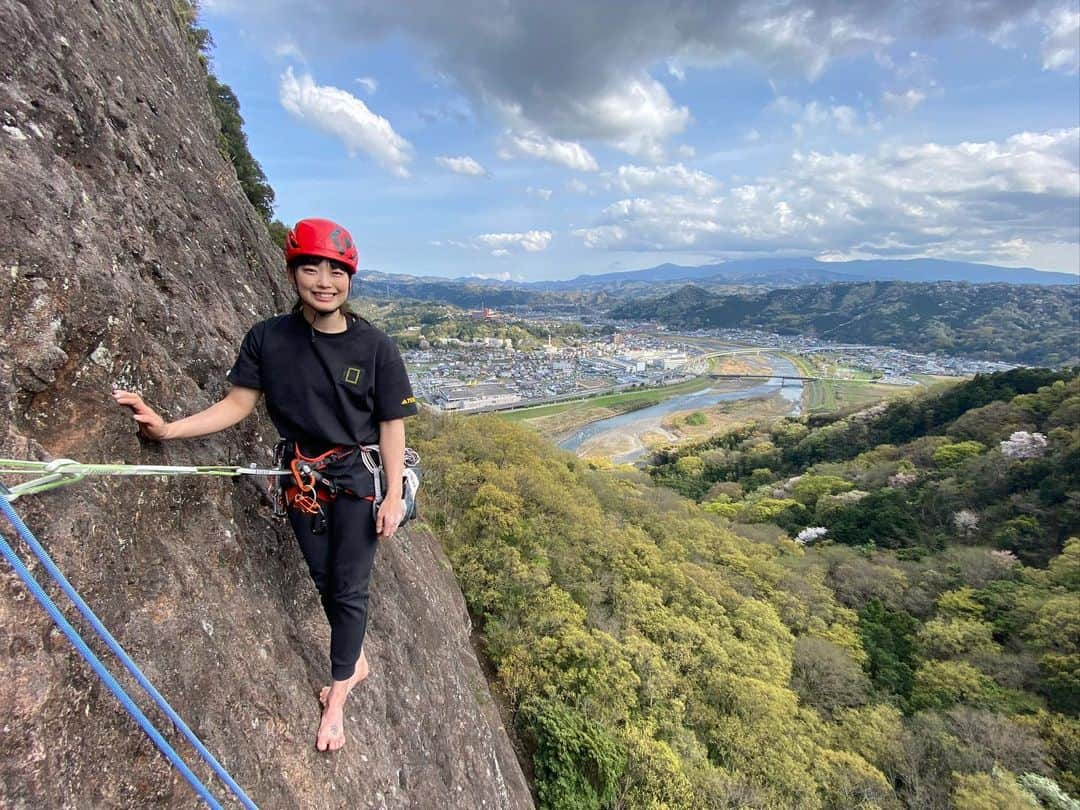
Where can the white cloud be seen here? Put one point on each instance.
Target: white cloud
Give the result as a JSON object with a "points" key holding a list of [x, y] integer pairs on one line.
{"points": [[1061, 48], [345, 117], [630, 179], [985, 200], [903, 102], [687, 151], [576, 186], [289, 50], [785, 106], [542, 193], [502, 244], [845, 119], [636, 117], [369, 84], [503, 276], [815, 115], [582, 73], [461, 165], [544, 147]]}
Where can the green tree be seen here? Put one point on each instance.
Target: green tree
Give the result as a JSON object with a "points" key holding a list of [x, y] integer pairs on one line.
{"points": [[825, 676], [997, 791], [578, 763], [766, 510], [846, 781], [654, 778], [1055, 633], [884, 518], [952, 455], [810, 487], [952, 637], [889, 639], [233, 144], [940, 684], [873, 732]]}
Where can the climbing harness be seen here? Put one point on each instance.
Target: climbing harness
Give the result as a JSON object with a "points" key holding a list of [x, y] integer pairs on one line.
{"points": [[311, 488], [6, 496]]}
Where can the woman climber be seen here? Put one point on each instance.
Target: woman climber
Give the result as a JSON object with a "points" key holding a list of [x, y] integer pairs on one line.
{"points": [[333, 384]]}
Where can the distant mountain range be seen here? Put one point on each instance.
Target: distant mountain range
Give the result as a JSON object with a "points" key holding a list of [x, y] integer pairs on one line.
{"points": [[729, 276], [1012, 323], [1019, 315], [801, 272]]}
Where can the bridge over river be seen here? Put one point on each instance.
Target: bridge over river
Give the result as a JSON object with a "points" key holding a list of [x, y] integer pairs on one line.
{"points": [[783, 378]]}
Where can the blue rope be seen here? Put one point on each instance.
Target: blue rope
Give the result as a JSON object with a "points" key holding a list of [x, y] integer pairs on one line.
{"points": [[118, 651], [104, 674]]}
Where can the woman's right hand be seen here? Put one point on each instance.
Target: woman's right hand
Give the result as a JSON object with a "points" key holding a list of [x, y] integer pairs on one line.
{"points": [[151, 425]]}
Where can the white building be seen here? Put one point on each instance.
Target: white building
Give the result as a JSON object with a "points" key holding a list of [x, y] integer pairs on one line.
{"points": [[473, 397]]}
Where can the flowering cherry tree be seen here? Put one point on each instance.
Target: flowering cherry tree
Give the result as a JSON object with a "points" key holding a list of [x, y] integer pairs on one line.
{"points": [[1023, 444], [810, 534]]}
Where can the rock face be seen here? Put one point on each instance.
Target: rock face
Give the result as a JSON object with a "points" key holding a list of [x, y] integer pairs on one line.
{"points": [[129, 256]]}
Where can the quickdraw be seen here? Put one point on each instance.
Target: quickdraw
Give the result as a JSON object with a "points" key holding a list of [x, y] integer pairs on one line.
{"points": [[410, 479]]}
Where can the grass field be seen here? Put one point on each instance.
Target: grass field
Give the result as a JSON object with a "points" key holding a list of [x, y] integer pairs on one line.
{"points": [[634, 399], [563, 417], [831, 395]]}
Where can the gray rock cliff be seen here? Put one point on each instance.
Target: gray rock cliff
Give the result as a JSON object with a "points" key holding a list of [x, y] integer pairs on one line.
{"points": [[130, 256]]}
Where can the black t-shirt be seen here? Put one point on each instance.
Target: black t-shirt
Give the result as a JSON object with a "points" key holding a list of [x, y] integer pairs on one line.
{"points": [[324, 389]]}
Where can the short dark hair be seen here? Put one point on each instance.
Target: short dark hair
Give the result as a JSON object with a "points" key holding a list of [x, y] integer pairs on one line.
{"points": [[301, 260], [297, 261]]}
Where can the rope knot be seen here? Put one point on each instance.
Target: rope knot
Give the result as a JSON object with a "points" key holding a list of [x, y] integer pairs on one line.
{"points": [[57, 465]]}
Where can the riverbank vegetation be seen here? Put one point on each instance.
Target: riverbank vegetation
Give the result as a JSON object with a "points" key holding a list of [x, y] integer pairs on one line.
{"points": [[657, 651], [702, 422], [563, 418]]}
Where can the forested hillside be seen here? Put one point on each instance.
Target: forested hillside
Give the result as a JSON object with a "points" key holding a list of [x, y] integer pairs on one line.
{"points": [[906, 475], [1021, 323], [659, 652]]}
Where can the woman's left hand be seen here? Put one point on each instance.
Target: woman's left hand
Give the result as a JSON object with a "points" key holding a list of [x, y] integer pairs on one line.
{"points": [[391, 511]]}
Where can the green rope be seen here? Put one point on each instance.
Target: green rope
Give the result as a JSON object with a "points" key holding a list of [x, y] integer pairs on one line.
{"points": [[63, 471]]}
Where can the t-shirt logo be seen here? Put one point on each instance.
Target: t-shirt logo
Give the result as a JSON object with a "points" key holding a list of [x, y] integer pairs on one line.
{"points": [[409, 401], [353, 375]]}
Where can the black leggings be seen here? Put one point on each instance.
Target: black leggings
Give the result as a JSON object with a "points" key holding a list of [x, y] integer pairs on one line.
{"points": [[340, 561]]}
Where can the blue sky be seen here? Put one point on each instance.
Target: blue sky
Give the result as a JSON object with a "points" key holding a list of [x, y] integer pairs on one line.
{"points": [[536, 140]]}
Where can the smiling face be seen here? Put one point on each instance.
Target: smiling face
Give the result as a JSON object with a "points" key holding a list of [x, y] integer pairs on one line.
{"points": [[323, 285]]}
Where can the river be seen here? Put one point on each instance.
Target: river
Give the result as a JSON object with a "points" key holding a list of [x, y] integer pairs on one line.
{"points": [[646, 419]]}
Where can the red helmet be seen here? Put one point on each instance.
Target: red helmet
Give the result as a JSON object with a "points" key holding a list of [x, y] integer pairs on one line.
{"points": [[321, 237]]}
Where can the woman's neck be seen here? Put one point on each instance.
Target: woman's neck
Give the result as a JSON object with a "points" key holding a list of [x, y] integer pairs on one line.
{"points": [[330, 322]]}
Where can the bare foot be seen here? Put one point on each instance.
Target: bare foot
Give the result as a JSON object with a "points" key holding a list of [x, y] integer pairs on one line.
{"points": [[331, 734]]}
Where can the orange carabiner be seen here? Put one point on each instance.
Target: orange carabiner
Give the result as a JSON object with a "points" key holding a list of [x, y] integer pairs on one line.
{"points": [[305, 499]]}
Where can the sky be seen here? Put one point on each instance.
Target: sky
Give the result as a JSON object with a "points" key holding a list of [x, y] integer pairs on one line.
{"points": [[543, 139]]}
